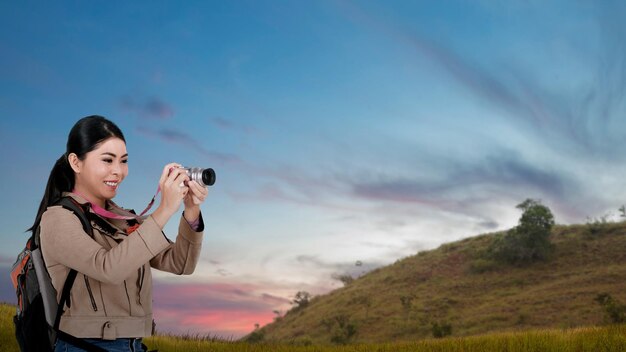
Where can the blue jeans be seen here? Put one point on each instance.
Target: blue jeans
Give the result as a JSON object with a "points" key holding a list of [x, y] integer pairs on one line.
{"points": [[117, 345]]}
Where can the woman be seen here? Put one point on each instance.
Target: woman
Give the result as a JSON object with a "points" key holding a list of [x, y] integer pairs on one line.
{"points": [[111, 299]]}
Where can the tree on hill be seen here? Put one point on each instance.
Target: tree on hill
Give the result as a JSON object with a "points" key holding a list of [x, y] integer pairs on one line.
{"points": [[301, 300], [529, 241]]}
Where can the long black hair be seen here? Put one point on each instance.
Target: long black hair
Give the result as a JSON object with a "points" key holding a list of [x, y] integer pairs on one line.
{"points": [[84, 137]]}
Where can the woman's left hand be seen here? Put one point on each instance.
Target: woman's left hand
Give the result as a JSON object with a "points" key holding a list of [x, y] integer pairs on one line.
{"points": [[196, 195]]}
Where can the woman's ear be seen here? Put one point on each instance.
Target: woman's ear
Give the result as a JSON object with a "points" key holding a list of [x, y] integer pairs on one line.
{"points": [[74, 162]]}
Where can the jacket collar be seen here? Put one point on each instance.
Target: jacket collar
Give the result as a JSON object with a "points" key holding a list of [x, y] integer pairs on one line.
{"points": [[118, 233], [76, 197]]}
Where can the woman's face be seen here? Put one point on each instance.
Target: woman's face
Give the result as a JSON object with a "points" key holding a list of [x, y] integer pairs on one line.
{"points": [[102, 170]]}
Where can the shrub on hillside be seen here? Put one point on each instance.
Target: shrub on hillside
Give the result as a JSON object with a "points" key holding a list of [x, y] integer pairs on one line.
{"points": [[614, 310], [256, 336], [301, 300], [407, 305], [440, 330], [529, 240], [345, 279], [341, 328], [595, 226]]}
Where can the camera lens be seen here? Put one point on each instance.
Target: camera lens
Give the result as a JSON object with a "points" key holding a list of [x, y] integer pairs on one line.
{"points": [[208, 177]]}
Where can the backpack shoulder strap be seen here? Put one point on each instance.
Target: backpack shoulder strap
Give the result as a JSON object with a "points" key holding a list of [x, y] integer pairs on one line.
{"points": [[70, 204], [79, 210]]}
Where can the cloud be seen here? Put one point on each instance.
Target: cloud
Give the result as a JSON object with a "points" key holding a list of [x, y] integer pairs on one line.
{"points": [[564, 119], [223, 309], [228, 125], [171, 135], [503, 171], [488, 225], [223, 272], [354, 269], [218, 268], [151, 108], [462, 188], [157, 108]]}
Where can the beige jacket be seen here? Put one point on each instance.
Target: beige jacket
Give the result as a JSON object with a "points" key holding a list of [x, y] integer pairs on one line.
{"points": [[112, 294]]}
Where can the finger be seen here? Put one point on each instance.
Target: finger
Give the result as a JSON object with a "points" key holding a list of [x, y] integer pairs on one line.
{"points": [[173, 177], [193, 185], [198, 191], [181, 178], [167, 171]]}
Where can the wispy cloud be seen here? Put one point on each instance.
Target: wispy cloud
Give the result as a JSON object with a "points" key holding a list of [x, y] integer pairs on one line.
{"points": [[152, 108], [504, 172], [463, 187], [229, 125], [570, 123], [171, 135], [353, 269], [218, 268], [158, 108]]}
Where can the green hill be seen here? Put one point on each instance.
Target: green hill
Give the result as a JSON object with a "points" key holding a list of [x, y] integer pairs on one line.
{"points": [[453, 288]]}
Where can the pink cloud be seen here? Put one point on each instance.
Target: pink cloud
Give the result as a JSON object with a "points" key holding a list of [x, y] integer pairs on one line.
{"points": [[229, 310]]}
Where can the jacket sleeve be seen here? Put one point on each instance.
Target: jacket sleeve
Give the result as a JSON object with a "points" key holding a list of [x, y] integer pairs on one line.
{"points": [[63, 241], [181, 257]]}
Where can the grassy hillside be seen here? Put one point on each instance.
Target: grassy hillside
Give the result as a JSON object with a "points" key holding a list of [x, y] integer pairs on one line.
{"points": [[453, 288], [599, 339], [503, 307], [7, 331]]}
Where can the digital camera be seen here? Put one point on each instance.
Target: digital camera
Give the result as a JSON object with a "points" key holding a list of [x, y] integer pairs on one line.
{"points": [[202, 176]]}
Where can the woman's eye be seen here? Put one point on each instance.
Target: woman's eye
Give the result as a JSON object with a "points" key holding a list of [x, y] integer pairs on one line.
{"points": [[125, 161], [108, 161]]}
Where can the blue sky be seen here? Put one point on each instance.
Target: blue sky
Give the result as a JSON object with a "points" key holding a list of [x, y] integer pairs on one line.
{"points": [[340, 131]]}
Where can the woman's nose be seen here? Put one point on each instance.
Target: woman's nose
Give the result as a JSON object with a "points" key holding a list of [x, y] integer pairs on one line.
{"points": [[117, 169]]}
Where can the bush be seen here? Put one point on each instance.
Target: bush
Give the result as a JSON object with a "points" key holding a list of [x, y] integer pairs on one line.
{"points": [[407, 305], [346, 279], [301, 300], [614, 310], [595, 225], [256, 336], [440, 330], [341, 327], [529, 240]]}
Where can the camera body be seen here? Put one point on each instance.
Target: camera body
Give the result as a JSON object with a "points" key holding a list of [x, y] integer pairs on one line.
{"points": [[202, 176]]}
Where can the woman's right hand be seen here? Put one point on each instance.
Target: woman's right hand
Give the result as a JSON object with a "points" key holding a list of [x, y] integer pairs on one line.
{"points": [[173, 191]]}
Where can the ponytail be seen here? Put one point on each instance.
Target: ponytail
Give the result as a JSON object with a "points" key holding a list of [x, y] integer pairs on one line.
{"points": [[61, 180]]}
